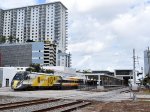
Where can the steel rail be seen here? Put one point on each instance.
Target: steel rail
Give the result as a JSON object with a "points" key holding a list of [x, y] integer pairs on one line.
{"points": [[26, 103], [63, 106], [22, 102], [75, 107]]}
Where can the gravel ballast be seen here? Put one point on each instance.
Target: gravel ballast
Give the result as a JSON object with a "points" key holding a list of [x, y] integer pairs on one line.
{"points": [[39, 106], [10, 99]]}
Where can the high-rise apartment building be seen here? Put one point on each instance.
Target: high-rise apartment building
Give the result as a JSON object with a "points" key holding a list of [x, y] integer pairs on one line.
{"points": [[1, 21], [39, 23], [46, 22], [64, 59]]}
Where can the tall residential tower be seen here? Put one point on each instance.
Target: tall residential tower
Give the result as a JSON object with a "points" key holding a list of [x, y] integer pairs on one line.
{"points": [[1, 21], [46, 22], [41, 23]]}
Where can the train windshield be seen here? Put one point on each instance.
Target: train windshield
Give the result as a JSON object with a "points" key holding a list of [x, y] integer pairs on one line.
{"points": [[18, 76]]}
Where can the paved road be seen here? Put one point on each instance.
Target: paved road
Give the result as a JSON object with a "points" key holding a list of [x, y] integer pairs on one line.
{"points": [[114, 95], [97, 96]]}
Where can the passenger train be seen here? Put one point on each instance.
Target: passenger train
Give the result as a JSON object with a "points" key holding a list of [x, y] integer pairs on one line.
{"points": [[30, 81]]}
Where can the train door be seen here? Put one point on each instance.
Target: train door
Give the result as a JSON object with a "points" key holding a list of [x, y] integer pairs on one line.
{"points": [[7, 82]]}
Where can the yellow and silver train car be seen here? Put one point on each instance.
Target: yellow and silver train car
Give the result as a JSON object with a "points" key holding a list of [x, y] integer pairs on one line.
{"points": [[26, 81]]}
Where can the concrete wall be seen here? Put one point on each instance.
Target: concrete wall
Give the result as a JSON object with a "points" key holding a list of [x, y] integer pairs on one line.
{"points": [[15, 55], [8, 73]]}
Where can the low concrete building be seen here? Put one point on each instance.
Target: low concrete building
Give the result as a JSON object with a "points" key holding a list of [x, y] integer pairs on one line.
{"points": [[124, 74], [7, 74], [103, 72], [21, 54], [15, 55], [102, 79]]}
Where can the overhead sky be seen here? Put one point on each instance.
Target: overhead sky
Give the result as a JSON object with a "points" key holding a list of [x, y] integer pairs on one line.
{"points": [[103, 33]]}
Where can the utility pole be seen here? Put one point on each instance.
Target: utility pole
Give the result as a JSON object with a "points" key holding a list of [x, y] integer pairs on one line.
{"points": [[142, 75], [148, 56], [134, 75]]}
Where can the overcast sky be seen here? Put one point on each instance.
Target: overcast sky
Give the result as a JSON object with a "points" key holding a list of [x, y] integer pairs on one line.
{"points": [[103, 33]]}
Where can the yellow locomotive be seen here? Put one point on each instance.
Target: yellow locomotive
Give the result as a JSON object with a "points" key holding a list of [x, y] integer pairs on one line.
{"points": [[26, 80]]}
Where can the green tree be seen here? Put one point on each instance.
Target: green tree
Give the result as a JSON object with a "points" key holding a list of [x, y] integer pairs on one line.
{"points": [[87, 71], [30, 69], [49, 71], [146, 80], [34, 67], [17, 39], [2, 39], [12, 39], [29, 40]]}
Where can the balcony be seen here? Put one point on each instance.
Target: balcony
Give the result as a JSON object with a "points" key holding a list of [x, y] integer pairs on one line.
{"points": [[46, 57], [57, 26], [53, 56], [46, 61], [57, 32], [57, 17], [57, 29], [57, 6], [46, 52]]}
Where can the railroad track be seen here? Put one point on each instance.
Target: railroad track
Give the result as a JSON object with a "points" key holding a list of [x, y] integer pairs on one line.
{"points": [[25, 103], [65, 106]]}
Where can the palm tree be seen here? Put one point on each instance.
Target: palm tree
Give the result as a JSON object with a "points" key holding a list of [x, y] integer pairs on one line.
{"points": [[11, 39], [2, 39], [29, 40], [35, 67]]}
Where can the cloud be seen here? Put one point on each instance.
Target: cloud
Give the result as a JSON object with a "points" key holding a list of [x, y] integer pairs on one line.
{"points": [[87, 47], [102, 33], [119, 30], [8, 4], [133, 26], [84, 60]]}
